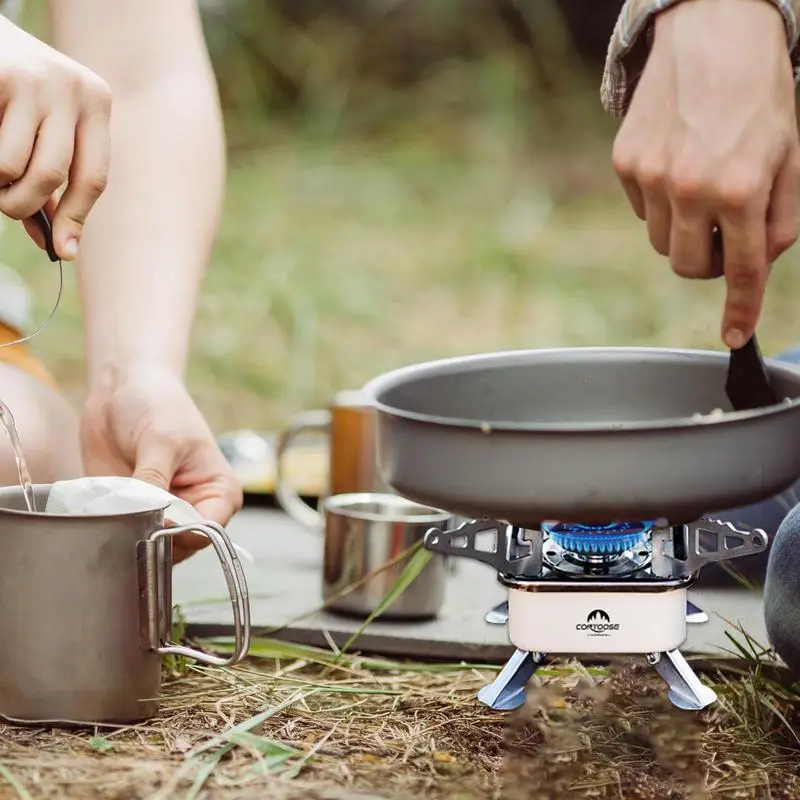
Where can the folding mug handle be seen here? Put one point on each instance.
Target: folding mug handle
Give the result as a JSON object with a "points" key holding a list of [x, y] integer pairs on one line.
{"points": [[158, 587], [288, 499]]}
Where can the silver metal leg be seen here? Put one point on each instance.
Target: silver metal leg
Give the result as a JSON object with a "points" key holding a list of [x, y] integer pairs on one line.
{"points": [[685, 689], [507, 691], [694, 614], [498, 615]]}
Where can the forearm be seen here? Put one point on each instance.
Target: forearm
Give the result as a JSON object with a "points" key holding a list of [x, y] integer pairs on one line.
{"points": [[148, 239], [144, 249], [630, 44]]}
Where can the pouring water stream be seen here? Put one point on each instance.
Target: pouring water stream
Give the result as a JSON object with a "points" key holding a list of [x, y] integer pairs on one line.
{"points": [[7, 420], [6, 416]]}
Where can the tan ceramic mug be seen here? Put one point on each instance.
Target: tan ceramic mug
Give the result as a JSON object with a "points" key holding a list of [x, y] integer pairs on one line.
{"points": [[349, 424]]}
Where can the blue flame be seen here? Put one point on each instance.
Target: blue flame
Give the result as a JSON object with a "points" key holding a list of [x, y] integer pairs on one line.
{"points": [[611, 539]]}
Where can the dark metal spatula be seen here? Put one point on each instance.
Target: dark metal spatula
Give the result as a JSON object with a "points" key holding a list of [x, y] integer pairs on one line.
{"points": [[748, 385]]}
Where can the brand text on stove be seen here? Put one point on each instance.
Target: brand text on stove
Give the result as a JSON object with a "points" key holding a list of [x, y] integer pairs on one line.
{"points": [[598, 623]]}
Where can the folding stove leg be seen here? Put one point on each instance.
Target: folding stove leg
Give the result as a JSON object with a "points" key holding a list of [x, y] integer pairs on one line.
{"points": [[507, 691], [497, 615], [694, 614], [685, 689]]}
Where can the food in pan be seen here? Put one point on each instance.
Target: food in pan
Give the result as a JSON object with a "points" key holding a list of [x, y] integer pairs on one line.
{"points": [[712, 416]]}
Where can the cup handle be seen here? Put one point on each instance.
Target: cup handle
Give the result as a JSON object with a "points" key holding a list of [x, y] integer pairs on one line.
{"points": [[289, 500], [158, 588]]}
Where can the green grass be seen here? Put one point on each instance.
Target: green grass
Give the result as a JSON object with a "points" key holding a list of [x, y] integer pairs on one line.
{"points": [[339, 259]]}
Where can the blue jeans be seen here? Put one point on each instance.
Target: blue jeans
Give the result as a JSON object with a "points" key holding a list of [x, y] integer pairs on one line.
{"points": [[768, 515]]}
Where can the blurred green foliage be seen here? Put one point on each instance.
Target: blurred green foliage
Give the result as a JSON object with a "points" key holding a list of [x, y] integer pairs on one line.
{"points": [[376, 67]]}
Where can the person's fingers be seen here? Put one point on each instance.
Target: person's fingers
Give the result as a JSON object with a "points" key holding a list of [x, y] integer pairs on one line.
{"points": [[157, 459], [20, 121], [744, 242], [224, 500], [658, 215], [783, 215], [187, 544], [221, 508], [635, 197], [88, 177], [624, 165], [690, 249], [47, 169], [651, 177]]}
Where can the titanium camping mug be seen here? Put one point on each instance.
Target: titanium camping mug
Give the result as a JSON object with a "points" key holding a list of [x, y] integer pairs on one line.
{"points": [[365, 532], [87, 611]]}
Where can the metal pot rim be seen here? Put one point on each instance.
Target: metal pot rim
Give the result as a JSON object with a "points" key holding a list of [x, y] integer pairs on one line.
{"points": [[378, 386]]}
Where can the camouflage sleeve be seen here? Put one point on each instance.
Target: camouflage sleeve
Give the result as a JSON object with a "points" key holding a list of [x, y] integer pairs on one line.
{"points": [[630, 44]]}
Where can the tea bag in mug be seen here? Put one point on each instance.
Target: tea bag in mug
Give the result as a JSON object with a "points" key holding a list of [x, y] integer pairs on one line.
{"points": [[115, 495]]}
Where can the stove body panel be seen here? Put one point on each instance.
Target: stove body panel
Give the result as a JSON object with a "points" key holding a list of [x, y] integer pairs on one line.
{"points": [[571, 622]]}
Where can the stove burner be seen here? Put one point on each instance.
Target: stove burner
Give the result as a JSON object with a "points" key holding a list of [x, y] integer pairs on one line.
{"points": [[607, 582], [598, 540]]}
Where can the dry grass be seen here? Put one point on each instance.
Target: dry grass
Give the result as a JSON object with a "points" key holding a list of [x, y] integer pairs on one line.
{"points": [[279, 729], [313, 725]]}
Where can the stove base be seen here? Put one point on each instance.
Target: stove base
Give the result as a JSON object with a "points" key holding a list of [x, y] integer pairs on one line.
{"points": [[686, 692], [499, 614]]}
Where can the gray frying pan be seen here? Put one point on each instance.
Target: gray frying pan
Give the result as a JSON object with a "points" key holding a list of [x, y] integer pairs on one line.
{"points": [[588, 435]]}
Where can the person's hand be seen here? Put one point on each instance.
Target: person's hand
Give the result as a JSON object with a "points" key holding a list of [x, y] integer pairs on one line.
{"points": [[54, 130], [142, 422], [710, 141]]}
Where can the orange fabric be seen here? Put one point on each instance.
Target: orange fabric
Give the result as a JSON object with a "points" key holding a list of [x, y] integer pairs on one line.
{"points": [[20, 356]]}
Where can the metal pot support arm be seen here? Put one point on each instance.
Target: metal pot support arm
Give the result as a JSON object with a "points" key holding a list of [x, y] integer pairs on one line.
{"points": [[504, 547], [157, 586], [677, 550], [690, 547]]}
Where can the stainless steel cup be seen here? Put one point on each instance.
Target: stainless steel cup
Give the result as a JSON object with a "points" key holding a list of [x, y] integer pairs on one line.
{"points": [[349, 425], [87, 611], [365, 531]]}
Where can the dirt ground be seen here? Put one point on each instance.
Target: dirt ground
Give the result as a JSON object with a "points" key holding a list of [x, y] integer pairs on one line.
{"points": [[374, 730], [621, 739]]}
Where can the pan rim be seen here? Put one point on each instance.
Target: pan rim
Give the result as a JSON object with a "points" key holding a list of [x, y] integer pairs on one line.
{"points": [[374, 388]]}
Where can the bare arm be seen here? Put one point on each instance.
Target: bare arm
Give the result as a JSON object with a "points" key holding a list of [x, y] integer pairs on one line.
{"points": [[145, 246], [709, 144], [631, 39]]}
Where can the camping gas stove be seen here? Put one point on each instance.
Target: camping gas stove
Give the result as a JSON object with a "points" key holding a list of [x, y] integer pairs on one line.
{"points": [[617, 588]]}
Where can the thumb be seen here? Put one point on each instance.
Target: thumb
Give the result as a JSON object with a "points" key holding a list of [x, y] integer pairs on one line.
{"points": [[156, 462], [88, 176]]}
